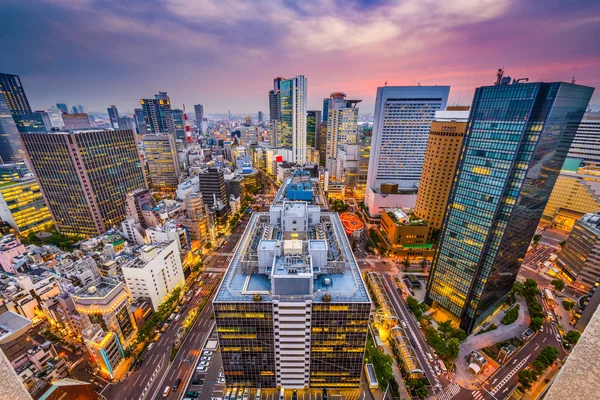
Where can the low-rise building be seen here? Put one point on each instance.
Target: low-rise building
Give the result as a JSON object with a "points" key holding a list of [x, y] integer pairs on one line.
{"points": [[405, 236]]}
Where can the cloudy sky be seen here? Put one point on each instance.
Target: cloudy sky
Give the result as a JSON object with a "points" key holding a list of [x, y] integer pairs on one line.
{"points": [[225, 53]]}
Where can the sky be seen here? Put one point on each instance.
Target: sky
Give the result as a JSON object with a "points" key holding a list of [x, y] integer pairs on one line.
{"points": [[225, 53]]}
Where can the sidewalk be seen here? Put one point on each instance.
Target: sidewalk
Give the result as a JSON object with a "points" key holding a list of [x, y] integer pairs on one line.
{"points": [[462, 375]]}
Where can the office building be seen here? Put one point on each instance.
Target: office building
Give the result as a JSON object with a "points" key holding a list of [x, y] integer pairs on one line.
{"points": [[196, 218], [401, 124], [137, 206], [179, 125], [163, 165], [313, 128], [405, 237], [212, 186], [275, 99], [586, 143], [85, 176], [11, 148], [75, 110], [517, 138], [38, 121], [578, 258], [154, 272], [127, 122], [14, 94], [441, 158], [113, 116], [586, 307], [55, 116], [261, 117], [140, 124], [62, 107], [80, 108], [342, 122], [292, 310], [576, 193], [22, 206], [293, 95], [199, 112], [108, 323], [76, 121], [157, 114]]}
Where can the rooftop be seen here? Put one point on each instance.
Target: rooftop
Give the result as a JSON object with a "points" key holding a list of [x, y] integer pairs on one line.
{"points": [[296, 264], [12, 325], [101, 287]]}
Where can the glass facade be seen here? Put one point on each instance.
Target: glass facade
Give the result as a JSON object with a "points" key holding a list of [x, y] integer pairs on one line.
{"points": [[179, 124], [33, 122], [22, 205], [246, 337], [312, 124], [516, 141], [292, 134], [14, 93], [11, 149], [161, 157], [338, 338], [157, 114]]}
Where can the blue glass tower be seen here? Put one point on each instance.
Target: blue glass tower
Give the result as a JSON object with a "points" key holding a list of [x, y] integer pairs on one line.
{"points": [[516, 141]]}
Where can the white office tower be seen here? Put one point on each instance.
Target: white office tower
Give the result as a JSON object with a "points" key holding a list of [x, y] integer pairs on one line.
{"points": [[154, 272], [401, 124], [292, 132], [342, 122]]}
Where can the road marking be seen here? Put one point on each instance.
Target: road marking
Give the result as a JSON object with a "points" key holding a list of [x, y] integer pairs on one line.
{"points": [[509, 375]]}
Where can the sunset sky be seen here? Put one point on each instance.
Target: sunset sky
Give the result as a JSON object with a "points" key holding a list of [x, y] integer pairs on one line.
{"points": [[225, 53]]}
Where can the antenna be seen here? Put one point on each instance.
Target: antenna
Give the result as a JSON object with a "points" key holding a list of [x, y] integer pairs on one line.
{"points": [[499, 76], [573, 80], [385, 84]]}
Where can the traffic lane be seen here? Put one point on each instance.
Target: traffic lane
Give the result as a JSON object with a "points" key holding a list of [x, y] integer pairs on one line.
{"points": [[414, 332], [538, 255]]}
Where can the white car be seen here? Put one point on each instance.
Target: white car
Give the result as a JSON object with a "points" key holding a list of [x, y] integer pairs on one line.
{"points": [[205, 358], [221, 380], [202, 369], [207, 353], [203, 363]]}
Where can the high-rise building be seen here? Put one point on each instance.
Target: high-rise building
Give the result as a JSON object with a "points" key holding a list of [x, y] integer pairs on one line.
{"points": [[293, 95], [55, 118], [212, 186], [76, 121], [342, 122], [163, 165], [11, 148], [140, 123], [62, 107], [80, 108], [14, 94], [403, 116], [126, 122], [38, 121], [517, 138], [178, 124], [157, 114], [441, 157], [199, 111], [586, 146], [292, 310], [108, 323], [586, 307], [22, 206], [578, 258], [322, 142], [261, 117], [113, 116], [75, 110], [85, 176], [275, 99], [313, 128], [196, 218], [137, 205], [154, 272], [248, 120]]}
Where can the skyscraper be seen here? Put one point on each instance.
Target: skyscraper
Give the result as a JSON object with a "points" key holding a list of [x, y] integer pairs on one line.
{"points": [[62, 107], [163, 166], [275, 100], [55, 117], [342, 122], [199, 111], [585, 144], [38, 121], [85, 176], [80, 108], [441, 157], [517, 138], [76, 121], [140, 123], [157, 114], [178, 124], [261, 118], [313, 128], [403, 116], [113, 116], [75, 110], [14, 94], [22, 206], [293, 94], [11, 148], [212, 186]]}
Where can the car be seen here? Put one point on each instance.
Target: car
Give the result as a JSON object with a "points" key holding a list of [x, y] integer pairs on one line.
{"points": [[559, 338], [404, 325], [207, 353], [164, 327], [197, 381], [167, 391], [221, 380], [150, 346], [203, 363], [412, 342], [541, 329], [294, 395], [205, 358], [228, 394], [429, 357], [176, 384], [193, 394], [202, 368], [245, 394], [177, 317]]}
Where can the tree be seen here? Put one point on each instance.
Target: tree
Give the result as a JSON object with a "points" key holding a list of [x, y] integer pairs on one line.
{"points": [[423, 263], [568, 305], [526, 378], [414, 306], [459, 334], [406, 263], [453, 348], [536, 323], [572, 337], [536, 239], [446, 328], [562, 244], [558, 284], [511, 315], [518, 288], [548, 355]]}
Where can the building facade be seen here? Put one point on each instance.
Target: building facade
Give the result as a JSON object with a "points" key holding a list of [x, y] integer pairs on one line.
{"points": [[517, 138], [11, 148], [157, 114], [401, 125], [85, 176], [76, 121], [342, 123], [113, 116], [441, 158], [313, 128], [161, 158], [293, 95], [38, 121], [13, 92], [22, 205], [212, 186], [585, 146]]}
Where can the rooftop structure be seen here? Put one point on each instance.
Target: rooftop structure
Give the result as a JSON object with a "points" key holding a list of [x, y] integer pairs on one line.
{"points": [[12, 325]]}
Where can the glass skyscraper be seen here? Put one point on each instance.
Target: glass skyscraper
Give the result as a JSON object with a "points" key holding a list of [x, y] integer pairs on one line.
{"points": [[313, 124], [157, 114], [12, 89], [11, 149], [516, 141], [293, 117]]}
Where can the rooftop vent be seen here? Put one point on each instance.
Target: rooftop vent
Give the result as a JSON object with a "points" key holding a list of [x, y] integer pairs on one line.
{"points": [[327, 282], [92, 289]]}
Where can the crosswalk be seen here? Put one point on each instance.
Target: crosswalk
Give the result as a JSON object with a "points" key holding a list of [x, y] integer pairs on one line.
{"points": [[449, 391], [477, 395]]}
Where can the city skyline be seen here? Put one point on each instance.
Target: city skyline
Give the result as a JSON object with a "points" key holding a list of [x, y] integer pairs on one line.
{"points": [[101, 59]]}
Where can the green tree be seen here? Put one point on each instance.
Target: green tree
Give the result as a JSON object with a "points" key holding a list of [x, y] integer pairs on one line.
{"points": [[548, 355], [568, 305], [406, 263], [536, 323], [459, 334], [518, 288], [453, 348], [414, 306], [446, 328], [417, 386], [536, 239], [423, 263], [572, 337], [511, 315], [558, 284], [526, 378]]}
